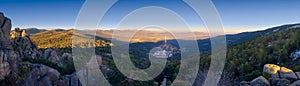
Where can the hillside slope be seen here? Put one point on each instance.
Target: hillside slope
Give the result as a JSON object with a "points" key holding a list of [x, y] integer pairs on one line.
{"points": [[63, 39], [205, 46], [247, 36], [246, 60]]}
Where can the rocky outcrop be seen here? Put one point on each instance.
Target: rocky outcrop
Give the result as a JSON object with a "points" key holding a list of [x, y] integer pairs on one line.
{"points": [[5, 27], [8, 57], [4, 65], [298, 74], [66, 58], [17, 33], [8, 63], [274, 75], [295, 55], [51, 55], [245, 83], [22, 43], [260, 81], [274, 71], [271, 68], [17, 61], [70, 80], [296, 83], [23, 64], [39, 75], [287, 74], [279, 82]]}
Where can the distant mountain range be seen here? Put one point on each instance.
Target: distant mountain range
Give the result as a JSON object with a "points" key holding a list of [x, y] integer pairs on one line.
{"points": [[232, 39], [145, 39], [138, 35], [148, 35], [251, 51], [34, 30], [246, 36], [246, 54], [60, 38]]}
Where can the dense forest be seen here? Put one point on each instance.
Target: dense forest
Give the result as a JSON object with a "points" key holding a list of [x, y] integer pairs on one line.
{"points": [[246, 60]]}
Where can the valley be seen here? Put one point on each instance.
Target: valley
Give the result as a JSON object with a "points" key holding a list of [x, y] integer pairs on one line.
{"points": [[39, 56]]}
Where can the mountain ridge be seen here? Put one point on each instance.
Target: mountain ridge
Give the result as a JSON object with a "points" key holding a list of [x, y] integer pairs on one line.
{"points": [[232, 39], [64, 39], [104, 37]]}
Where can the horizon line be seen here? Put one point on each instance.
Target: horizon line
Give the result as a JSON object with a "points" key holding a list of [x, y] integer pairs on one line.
{"points": [[226, 31]]}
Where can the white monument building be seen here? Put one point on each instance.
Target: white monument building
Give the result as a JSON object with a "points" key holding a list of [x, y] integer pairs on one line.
{"points": [[163, 53]]}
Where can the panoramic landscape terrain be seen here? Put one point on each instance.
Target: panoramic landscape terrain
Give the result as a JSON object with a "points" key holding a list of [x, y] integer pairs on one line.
{"points": [[38, 57], [268, 55]]}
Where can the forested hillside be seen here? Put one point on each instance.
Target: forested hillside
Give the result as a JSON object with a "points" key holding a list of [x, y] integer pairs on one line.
{"points": [[246, 60]]}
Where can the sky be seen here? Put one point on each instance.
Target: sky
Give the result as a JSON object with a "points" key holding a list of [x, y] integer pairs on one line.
{"points": [[236, 15]]}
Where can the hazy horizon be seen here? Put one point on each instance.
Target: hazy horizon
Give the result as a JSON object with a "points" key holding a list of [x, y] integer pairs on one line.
{"points": [[226, 31], [237, 16]]}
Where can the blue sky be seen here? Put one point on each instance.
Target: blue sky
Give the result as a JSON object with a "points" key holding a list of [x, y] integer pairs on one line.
{"points": [[237, 15]]}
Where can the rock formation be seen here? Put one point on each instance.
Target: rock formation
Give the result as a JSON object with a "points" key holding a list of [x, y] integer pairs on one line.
{"points": [[70, 80], [274, 75], [18, 65], [4, 65], [295, 55], [22, 43], [279, 81], [271, 68], [5, 27], [296, 83], [51, 55], [287, 74], [8, 57], [260, 81], [40, 75]]}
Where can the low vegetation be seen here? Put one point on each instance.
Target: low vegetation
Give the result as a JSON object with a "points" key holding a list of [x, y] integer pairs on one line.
{"points": [[63, 39]]}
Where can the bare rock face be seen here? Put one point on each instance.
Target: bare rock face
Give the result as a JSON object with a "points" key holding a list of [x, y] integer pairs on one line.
{"points": [[274, 71], [70, 80], [5, 27], [271, 68], [271, 71], [66, 59], [4, 65], [279, 82], [15, 33], [298, 74], [283, 82], [14, 48], [277, 76], [22, 43], [8, 58], [41, 75], [260, 81], [296, 83], [15, 70], [287, 74], [245, 83], [295, 55], [51, 55]]}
